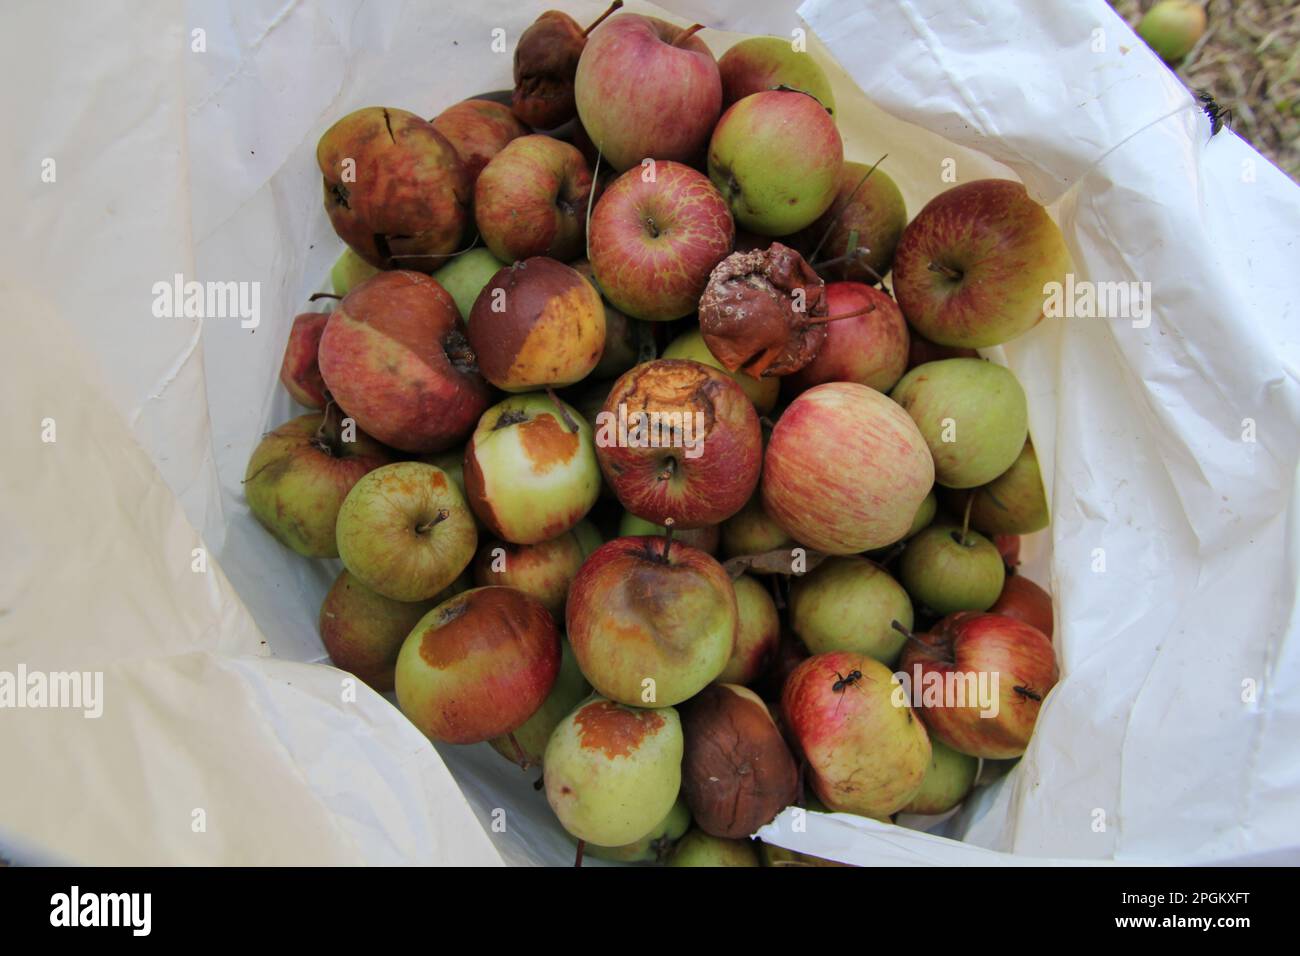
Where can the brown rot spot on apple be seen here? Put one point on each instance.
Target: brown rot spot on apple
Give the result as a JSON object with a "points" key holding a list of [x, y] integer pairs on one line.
{"points": [[547, 443], [615, 731]]}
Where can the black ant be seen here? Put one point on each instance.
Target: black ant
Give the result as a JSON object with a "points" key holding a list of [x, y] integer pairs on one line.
{"points": [[1219, 117], [844, 682]]}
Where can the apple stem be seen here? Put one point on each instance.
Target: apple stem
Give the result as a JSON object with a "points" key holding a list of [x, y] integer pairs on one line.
{"points": [[668, 537], [522, 758], [822, 319], [564, 415], [928, 648], [830, 226], [687, 34], [965, 521], [323, 295], [945, 271], [591, 199], [327, 436], [442, 515], [577, 860], [601, 19]]}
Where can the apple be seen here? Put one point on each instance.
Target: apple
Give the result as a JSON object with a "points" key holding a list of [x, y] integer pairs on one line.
{"points": [[647, 88], [764, 63], [537, 324], [652, 621], [362, 630], [544, 570], [706, 539], [1008, 657], [921, 350], [775, 157], [973, 414], [466, 275], [751, 531], [394, 356], [869, 347], [1172, 28], [849, 604], [866, 752], [525, 746], [679, 440], [405, 531], [947, 783], [530, 469], [626, 338], [924, 514], [478, 130], [655, 235], [612, 773], [478, 665], [395, 189], [1008, 546], [690, 344], [349, 271], [971, 268], [655, 847], [531, 200], [947, 571], [452, 463], [758, 633], [299, 369], [867, 212], [698, 848], [1025, 601], [546, 59], [299, 476], [1012, 503], [846, 469]]}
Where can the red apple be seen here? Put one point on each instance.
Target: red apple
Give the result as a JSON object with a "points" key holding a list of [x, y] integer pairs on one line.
{"points": [[1008, 546], [362, 630], [867, 752], [869, 348], [846, 469], [972, 267], [679, 440], [980, 680], [395, 357], [531, 200], [300, 371], [656, 234], [651, 621], [1024, 600], [478, 130], [647, 88], [478, 665]]}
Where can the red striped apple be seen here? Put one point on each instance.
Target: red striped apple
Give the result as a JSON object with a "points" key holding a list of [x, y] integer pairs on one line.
{"points": [[845, 470], [531, 200], [478, 130]]}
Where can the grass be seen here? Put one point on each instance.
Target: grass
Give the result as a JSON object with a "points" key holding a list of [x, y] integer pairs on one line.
{"points": [[1249, 61]]}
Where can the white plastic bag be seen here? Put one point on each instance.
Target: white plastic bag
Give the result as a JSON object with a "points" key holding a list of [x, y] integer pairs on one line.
{"points": [[183, 142]]}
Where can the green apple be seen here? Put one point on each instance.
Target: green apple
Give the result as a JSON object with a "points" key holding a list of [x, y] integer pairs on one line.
{"points": [[764, 63], [466, 275], [775, 156], [758, 633], [528, 746], [655, 846], [762, 392], [1173, 27], [947, 572], [924, 514], [1012, 503], [405, 531], [698, 848], [849, 604], [973, 415], [589, 537], [751, 531], [949, 779], [349, 272], [530, 468], [612, 773]]}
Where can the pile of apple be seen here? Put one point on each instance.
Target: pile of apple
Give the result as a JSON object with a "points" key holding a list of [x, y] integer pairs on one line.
{"points": [[684, 242]]}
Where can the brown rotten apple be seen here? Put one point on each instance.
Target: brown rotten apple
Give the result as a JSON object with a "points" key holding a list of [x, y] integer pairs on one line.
{"points": [[394, 356], [651, 621], [846, 469], [537, 324], [971, 268], [478, 665], [737, 772], [679, 440], [300, 475], [866, 749], [531, 200], [1011, 660], [395, 189], [647, 88], [478, 130], [546, 59], [656, 234]]}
